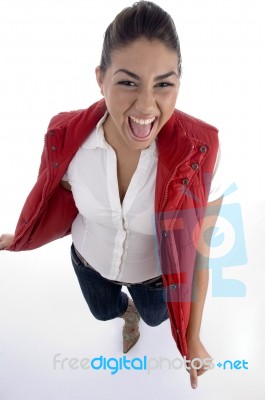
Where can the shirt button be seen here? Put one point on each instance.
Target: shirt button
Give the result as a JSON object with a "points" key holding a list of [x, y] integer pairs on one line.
{"points": [[185, 181], [55, 165], [53, 148], [195, 166], [203, 149], [52, 133]]}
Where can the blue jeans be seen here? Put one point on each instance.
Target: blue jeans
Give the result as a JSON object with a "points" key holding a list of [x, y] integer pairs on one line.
{"points": [[106, 300]]}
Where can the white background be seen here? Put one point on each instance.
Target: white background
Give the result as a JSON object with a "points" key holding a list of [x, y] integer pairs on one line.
{"points": [[49, 50]]}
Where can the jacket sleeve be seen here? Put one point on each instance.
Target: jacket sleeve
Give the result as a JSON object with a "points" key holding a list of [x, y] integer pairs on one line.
{"points": [[49, 209]]}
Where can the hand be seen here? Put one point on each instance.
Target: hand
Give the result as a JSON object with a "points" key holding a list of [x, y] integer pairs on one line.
{"points": [[5, 240], [197, 368]]}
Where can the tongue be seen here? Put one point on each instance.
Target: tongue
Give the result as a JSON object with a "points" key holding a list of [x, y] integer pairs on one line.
{"points": [[138, 130]]}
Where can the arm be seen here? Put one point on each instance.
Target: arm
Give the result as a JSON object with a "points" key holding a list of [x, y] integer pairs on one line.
{"points": [[6, 239], [200, 285]]}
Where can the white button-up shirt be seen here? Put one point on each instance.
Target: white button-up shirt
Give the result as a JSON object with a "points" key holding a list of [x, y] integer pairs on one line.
{"points": [[118, 240]]}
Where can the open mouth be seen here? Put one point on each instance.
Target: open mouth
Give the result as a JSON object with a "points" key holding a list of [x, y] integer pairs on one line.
{"points": [[140, 129]]}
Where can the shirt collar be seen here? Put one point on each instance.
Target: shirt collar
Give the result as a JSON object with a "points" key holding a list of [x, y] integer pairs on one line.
{"points": [[96, 138]]}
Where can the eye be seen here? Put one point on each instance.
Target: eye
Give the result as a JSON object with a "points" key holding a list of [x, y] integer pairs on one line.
{"points": [[165, 84], [126, 83]]}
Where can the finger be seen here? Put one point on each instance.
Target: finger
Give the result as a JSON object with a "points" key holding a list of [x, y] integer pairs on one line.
{"points": [[200, 371], [193, 378], [203, 369]]}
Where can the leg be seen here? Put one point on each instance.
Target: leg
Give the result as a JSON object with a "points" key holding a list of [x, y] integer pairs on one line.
{"points": [[104, 298], [150, 303]]}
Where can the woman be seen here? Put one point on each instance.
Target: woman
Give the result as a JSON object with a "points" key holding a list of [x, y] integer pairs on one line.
{"points": [[129, 177]]}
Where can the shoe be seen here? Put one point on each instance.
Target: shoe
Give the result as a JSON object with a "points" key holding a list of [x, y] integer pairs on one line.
{"points": [[130, 331]]}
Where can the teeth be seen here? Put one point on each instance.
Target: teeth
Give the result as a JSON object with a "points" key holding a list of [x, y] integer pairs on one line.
{"points": [[143, 121]]}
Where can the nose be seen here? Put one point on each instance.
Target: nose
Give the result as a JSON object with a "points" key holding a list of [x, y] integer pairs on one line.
{"points": [[145, 102]]}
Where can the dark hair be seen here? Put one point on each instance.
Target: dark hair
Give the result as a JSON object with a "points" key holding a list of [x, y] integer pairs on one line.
{"points": [[142, 19]]}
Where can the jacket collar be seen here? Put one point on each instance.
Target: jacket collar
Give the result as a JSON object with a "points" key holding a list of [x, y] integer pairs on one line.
{"points": [[173, 142]]}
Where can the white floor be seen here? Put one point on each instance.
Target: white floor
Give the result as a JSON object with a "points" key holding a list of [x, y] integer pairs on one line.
{"points": [[43, 314]]}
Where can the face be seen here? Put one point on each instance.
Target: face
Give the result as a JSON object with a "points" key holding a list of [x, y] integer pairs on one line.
{"points": [[140, 89]]}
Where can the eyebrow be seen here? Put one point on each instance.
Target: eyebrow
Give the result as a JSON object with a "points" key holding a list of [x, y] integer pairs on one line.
{"points": [[157, 78]]}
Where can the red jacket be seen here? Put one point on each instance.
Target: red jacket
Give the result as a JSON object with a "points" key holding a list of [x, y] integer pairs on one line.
{"points": [[187, 150]]}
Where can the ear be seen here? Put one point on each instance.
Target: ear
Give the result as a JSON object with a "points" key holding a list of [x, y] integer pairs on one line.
{"points": [[99, 77]]}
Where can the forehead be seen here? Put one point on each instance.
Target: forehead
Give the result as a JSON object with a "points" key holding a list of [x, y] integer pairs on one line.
{"points": [[145, 54]]}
